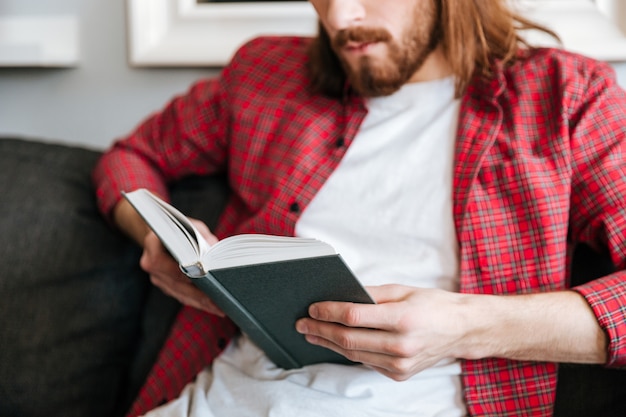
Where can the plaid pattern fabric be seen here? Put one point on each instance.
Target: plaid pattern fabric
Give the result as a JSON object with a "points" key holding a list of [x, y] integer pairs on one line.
{"points": [[195, 340], [539, 165]]}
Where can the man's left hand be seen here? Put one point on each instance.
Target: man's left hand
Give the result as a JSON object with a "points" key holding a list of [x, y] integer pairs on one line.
{"points": [[411, 329], [408, 330]]}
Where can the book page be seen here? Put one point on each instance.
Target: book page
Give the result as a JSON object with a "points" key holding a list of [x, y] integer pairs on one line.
{"points": [[176, 232], [196, 257], [250, 249]]}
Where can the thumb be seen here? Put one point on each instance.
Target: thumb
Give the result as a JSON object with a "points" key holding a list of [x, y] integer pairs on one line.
{"points": [[205, 231], [387, 293]]}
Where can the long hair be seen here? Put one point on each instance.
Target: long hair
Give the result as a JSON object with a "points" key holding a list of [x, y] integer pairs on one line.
{"points": [[473, 35]]}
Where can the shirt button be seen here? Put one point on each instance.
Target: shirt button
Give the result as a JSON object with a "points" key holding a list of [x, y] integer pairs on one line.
{"points": [[294, 208], [340, 142]]}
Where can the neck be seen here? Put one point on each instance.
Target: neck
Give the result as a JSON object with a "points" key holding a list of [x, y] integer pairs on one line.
{"points": [[435, 67]]}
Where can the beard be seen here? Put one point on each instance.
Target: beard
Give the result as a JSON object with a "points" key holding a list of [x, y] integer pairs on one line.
{"points": [[374, 77]]}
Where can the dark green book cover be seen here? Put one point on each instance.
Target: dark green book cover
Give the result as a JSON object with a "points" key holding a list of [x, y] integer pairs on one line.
{"points": [[265, 301]]}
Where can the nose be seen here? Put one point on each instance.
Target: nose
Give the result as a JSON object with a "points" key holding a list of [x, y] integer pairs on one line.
{"points": [[342, 14]]}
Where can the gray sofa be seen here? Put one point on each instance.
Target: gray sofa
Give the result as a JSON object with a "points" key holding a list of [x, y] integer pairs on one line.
{"points": [[80, 326]]}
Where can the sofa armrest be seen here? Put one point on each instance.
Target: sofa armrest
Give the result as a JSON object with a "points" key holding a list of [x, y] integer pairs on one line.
{"points": [[71, 291], [80, 324]]}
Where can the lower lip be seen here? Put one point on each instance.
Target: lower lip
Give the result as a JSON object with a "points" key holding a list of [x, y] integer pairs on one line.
{"points": [[360, 49]]}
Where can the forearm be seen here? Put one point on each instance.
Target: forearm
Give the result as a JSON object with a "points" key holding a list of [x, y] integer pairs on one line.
{"points": [[410, 329], [555, 327], [130, 222], [124, 169]]}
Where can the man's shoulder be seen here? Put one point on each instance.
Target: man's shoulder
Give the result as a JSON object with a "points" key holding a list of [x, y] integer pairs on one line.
{"points": [[559, 65], [550, 72], [277, 43], [268, 66], [275, 53]]}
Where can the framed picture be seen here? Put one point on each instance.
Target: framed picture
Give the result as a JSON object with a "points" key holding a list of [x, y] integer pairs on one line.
{"points": [[39, 41], [191, 33], [208, 32]]}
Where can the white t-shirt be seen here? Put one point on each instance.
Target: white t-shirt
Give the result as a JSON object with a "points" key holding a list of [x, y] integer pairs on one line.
{"points": [[387, 209]]}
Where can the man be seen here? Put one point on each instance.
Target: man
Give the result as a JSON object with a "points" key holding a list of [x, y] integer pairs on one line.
{"points": [[449, 164]]}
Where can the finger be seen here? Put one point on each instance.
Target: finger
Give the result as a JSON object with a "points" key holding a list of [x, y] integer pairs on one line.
{"points": [[165, 273], [387, 293], [396, 376], [353, 339], [205, 231], [155, 259], [372, 316], [397, 367], [186, 293]]}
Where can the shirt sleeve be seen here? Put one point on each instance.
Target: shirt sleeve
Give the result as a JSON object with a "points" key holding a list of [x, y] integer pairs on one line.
{"points": [[187, 137], [598, 215]]}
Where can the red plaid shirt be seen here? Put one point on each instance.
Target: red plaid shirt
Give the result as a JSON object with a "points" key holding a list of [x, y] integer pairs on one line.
{"points": [[539, 164]]}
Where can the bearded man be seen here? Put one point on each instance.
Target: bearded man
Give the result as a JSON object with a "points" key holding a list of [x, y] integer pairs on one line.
{"points": [[451, 164]]}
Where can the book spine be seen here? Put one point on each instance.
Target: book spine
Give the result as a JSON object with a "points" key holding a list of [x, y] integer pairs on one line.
{"points": [[245, 321]]}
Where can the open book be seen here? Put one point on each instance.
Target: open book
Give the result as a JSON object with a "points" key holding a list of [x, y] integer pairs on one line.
{"points": [[264, 283]]}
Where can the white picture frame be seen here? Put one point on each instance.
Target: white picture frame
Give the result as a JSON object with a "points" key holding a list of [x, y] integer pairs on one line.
{"points": [[185, 33], [39, 41]]}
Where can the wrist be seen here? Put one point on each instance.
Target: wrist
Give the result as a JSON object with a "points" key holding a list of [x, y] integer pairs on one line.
{"points": [[130, 222], [477, 315], [555, 327]]}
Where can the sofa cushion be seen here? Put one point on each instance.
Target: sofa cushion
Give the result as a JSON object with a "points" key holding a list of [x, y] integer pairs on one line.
{"points": [[71, 293], [80, 325]]}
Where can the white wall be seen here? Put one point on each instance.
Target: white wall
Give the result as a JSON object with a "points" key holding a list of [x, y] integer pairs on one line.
{"points": [[620, 69], [100, 99]]}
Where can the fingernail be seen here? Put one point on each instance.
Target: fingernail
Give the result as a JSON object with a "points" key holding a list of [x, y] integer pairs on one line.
{"points": [[313, 311], [301, 327]]}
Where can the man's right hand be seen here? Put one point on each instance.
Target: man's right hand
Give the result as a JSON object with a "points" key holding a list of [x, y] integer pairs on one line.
{"points": [[166, 274], [157, 262]]}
